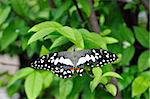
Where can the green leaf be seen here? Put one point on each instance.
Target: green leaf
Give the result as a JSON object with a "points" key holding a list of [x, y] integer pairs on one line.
{"points": [[20, 7], [97, 73], [65, 87], [104, 80], [40, 34], [44, 25], [24, 42], [110, 40], [47, 78], [86, 92], [142, 36], [52, 37], [144, 61], [112, 89], [33, 85], [127, 54], [105, 32], [34, 47], [4, 14], [9, 35], [59, 41], [124, 34], [129, 6], [77, 88], [128, 78], [11, 90], [94, 83], [112, 74], [61, 10], [79, 39], [93, 40], [127, 34], [119, 58], [107, 68], [20, 74], [85, 7], [73, 35], [67, 32], [139, 86], [146, 75], [44, 51], [102, 19]]}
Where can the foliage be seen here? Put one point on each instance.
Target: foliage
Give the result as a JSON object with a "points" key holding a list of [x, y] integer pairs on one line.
{"points": [[37, 27]]}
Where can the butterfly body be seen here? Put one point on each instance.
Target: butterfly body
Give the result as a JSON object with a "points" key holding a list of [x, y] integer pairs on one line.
{"points": [[65, 64]]}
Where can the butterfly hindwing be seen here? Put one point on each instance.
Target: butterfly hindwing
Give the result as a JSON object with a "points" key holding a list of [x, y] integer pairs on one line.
{"points": [[98, 57], [59, 65]]}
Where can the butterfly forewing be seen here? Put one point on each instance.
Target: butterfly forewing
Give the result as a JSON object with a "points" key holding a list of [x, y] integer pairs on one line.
{"points": [[59, 65]]}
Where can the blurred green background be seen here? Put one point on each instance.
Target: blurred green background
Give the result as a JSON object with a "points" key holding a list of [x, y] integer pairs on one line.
{"points": [[32, 28]]}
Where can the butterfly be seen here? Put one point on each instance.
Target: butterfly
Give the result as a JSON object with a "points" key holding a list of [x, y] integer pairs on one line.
{"points": [[64, 64]]}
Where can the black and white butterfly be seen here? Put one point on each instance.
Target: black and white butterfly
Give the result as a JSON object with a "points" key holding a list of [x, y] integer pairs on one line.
{"points": [[65, 64]]}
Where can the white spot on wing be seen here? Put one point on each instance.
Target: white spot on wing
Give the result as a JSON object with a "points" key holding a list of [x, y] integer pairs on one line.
{"points": [[52, 60], [107, 55], [65, 61], [87, 57], [69, 76], [55, 54], [77, 70], [61, 70], [68, 71], [94, 51], [49, 60], [46, 65], [56, 61], [103, 60], [82, 60], [92, 57], [64, 73], [56, 68], [52, 57], [81, 70], [42, 61], [96, 57], [114, 55]]}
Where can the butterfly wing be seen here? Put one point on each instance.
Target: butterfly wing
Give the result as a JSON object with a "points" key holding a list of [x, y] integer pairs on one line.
{"points": [[63, 64], [55, 62], [98, 57]]}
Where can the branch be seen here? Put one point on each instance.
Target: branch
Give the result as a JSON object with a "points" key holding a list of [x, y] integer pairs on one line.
{"points": [[115, 82], [79, 11], [93, 18]]}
